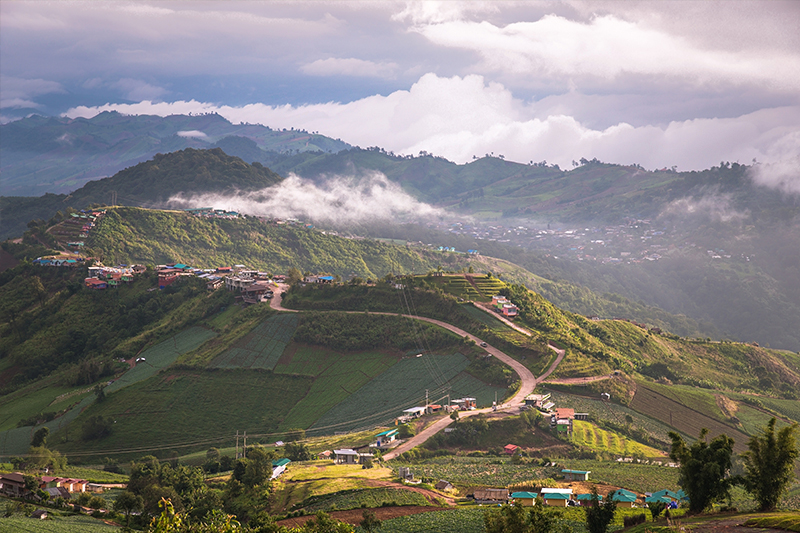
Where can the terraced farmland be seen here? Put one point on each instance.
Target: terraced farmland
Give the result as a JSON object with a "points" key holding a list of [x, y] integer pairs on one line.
{"points": [[592, 437], [683, 418], [459, 287], [403, 386], [262, 347]]}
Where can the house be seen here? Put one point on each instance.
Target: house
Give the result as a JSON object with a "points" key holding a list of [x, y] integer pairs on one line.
{"points": [[585, 500], [625, 498], [464, 404], [279, 467], [57, 492], [526, 499], [256, 292], [345, 456], [166, 277], [94, 283], [564, 413], [576, 475], [491, 495], [510, 449], [536, 400], [509, 310], [385, 437], [581, 416], [443, 485], [12, 484], [414, 412], [672, 496], [237, 283], [556, 499]]}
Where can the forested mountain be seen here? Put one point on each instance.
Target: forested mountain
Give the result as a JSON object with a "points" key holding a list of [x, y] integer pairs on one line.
{"points": [[57, 154]]}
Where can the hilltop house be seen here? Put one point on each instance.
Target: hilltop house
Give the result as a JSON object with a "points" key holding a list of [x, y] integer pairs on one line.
{"points": [[12, 485], [576, 475], [348, 456]]}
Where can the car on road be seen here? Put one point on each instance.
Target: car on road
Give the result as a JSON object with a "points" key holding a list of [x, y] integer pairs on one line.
{"points": [[484, 345]]}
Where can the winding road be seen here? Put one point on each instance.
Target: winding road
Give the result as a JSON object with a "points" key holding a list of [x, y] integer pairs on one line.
{"points": [[528, 381]]}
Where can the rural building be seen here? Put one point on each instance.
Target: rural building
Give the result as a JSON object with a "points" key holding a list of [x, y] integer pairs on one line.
{"points": [[464, 404], [385, 437], [605, 396], [57, 492], [39, 514], [671, 496], [624, 498], [279, 467], [414, 412], [581, 416], [443, 485], [236, 283], [256, 292], [526, 499], [510, 310], [94, 283], [556, 499], [586, 499], [12, 484], [537, 400], [491, 495], [167, 277], [345, 456], [576, 475], [510, 449]]}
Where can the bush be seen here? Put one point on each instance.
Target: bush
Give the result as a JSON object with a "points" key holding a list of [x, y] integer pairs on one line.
{"points": [[634, 520]]}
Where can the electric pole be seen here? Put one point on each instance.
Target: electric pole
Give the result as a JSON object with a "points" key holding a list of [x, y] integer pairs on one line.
{"points": [[237, 444]]}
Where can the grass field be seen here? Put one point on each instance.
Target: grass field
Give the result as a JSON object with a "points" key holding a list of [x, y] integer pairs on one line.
{"points": [[353, 499], [592, 437], [161, 356], [191, 410], [30, 402], [639, 478], [58, 524], [484, 318], [681, 417], [465, 520], [403, 386], [262, 347]]}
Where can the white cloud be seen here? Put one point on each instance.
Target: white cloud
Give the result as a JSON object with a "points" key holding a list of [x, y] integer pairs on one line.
{"points": [[606, 48], [781, 166], [193, 134], [350, 67], [340, 200], [138, 90], [19, 93], [460, 117]]}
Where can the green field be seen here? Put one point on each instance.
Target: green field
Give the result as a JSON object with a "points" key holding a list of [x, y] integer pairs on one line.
{"points": [[466, 520], [162, 355], [338, 375], [262, 347], [353, 499], [639, 478], [186, 410], [403, 386], [484, 318], [58, 524], [681, 417], [477, 471], [37, 399], [592, 437]]}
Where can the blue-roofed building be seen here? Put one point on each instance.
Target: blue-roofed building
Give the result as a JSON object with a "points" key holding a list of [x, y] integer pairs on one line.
{"points": [[526, 499], [279, 467], [385, 437], [625, 498], [586, 499], [576, 475]]}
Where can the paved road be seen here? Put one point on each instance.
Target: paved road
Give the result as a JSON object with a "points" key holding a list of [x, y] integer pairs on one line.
{"points": [[528, 381]]}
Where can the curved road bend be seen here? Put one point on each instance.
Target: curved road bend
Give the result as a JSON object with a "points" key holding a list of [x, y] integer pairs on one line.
{"points": [[528, 381]]}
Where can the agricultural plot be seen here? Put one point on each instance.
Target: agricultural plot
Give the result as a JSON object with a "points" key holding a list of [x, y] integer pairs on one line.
{"points": [[353, 499], [788, 408], [466, 520], [752, 420], [488, 286], [23, 404], [599, 410], [592, 437], [683, 418], [337, 377], [484, 318], [58, 524], [477, 471], [403, 386], [262, 347], [459, 287], [161, 356], [639, 478]]}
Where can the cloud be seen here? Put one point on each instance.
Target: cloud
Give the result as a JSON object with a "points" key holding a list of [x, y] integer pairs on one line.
{"points": [[460, 117], [712, 205], [339, 200], [781, 167], [607, 48], [350, 67], [138, 90], [19, 92], [193, 134]]}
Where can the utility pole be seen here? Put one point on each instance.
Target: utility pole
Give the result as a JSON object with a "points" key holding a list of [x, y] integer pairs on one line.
{"points": [[244, 448], [237, 444], [426, 401]]}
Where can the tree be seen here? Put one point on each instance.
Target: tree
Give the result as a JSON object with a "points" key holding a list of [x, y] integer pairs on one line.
{"points": [[294, 276], [599, 515], [96, 427], [370, 522], [515, 519], [454, 415], [769, 464], [704, 470], [40, 437], [323, 523], [297, 451], [128, 502], [259, 466], [656, 508]]}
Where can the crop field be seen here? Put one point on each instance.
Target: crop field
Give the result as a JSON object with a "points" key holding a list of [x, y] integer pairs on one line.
{"points": [[203, 407], [262, 347], [477, 471], [353, 499], [639, 478], [59, 524], [752, 420], [697, 399], [27, 404], [338, 376], [488, 286], [600, 410], [465, 520], [459, 287], [590, 436], [484, 318], [789, 408], [161, 356], [683, 418], [403, 386]]}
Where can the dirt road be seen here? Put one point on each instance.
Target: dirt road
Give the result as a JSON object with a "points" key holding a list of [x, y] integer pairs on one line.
{"points": [[528, 381]]}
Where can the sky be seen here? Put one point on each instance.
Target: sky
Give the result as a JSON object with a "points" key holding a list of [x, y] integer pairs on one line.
{"points": [[661, 84]]}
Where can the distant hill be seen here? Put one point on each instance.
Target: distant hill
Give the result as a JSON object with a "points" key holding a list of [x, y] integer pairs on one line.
{"points": [[58, 154], [148, 183]]}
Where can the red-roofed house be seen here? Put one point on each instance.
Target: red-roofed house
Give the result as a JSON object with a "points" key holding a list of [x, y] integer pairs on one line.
{"points": [[510, 449]]}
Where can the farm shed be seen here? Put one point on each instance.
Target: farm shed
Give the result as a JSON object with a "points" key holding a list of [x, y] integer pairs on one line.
{"points": [[345, 456], [385, 437], [556, 499], [536, 400], [510, 449], [576, 475], [623, 499], [526, 499], [443, 485], [586, 499], [491, 495], [414, 412], [279, 467], [39, 514]]}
